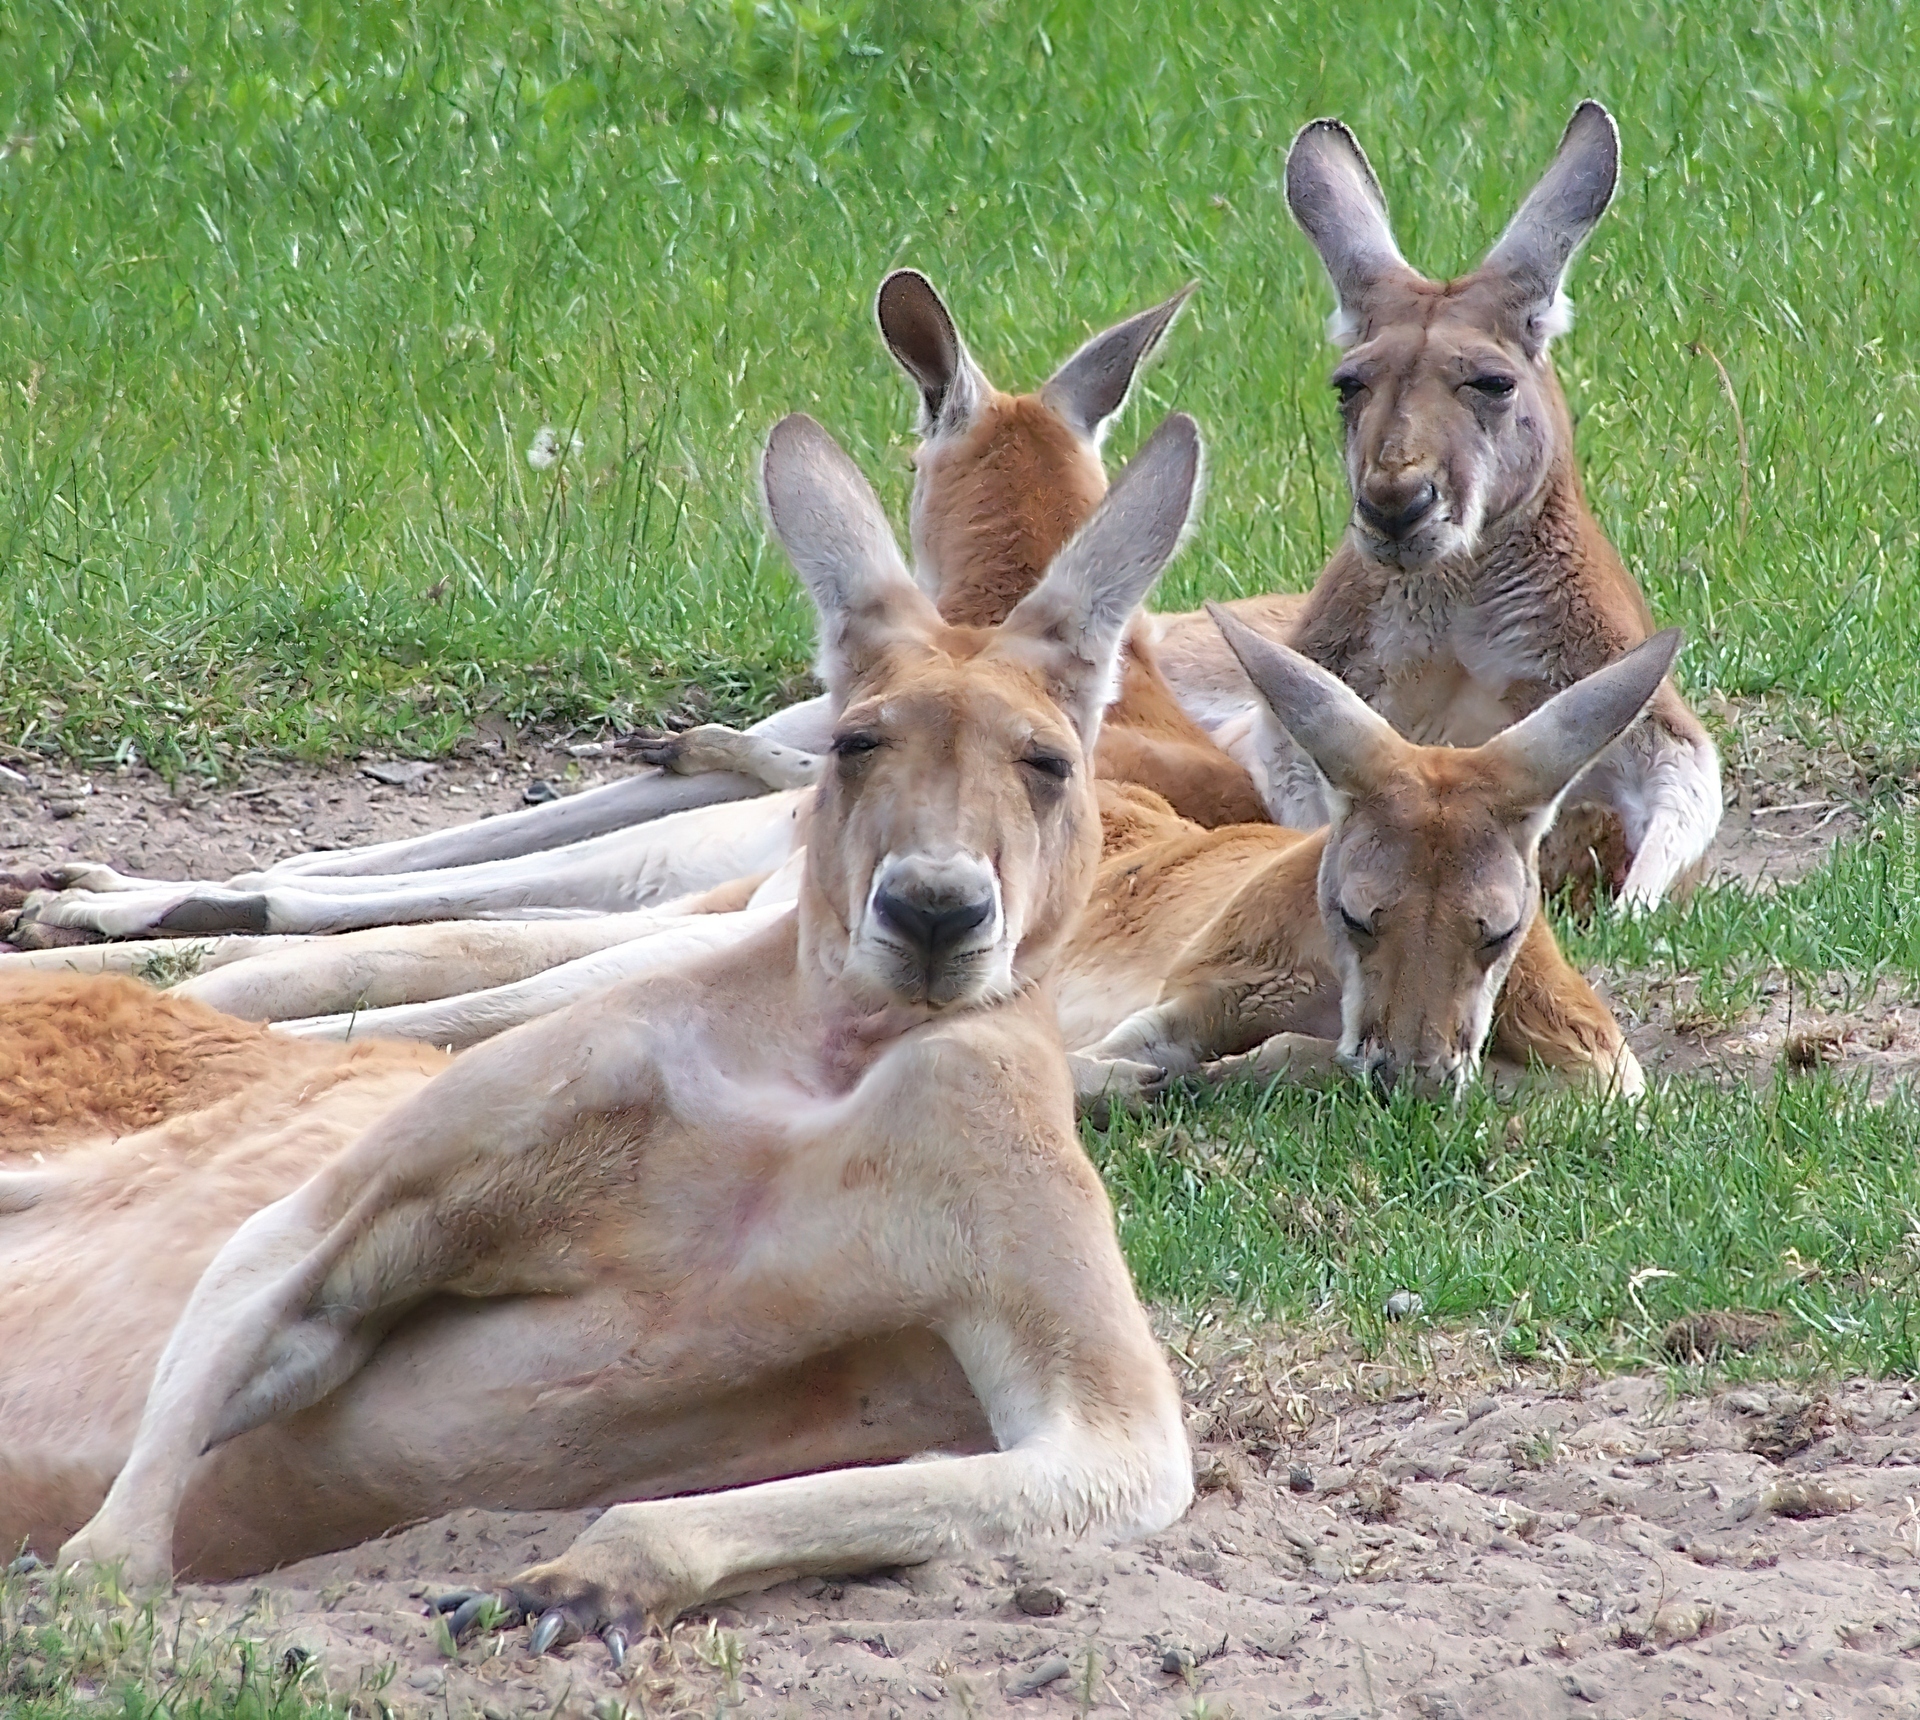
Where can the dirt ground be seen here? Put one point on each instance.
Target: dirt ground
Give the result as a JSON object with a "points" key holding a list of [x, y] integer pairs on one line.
{"points": [[1532, 1550]]}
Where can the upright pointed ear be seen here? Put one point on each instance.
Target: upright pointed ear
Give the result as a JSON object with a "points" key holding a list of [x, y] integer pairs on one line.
{"points": [[1543, 753], [1078, 614], [1554, 222], [1350, 743], [1093, 384], [1337, 200], [831, 525], [919, 332]]}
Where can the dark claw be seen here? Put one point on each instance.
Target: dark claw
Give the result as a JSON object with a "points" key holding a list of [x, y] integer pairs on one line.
{"points": [[467, 1614], [616, 1640], [655, 746], [452, 1600], [555, 1630]]}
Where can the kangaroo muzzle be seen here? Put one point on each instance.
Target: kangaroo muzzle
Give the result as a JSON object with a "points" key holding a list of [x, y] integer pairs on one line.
{"points": [[935, 923]]}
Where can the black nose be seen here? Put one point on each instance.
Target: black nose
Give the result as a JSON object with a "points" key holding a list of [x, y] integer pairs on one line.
{"points": [[934, 925], [1392, 515]]}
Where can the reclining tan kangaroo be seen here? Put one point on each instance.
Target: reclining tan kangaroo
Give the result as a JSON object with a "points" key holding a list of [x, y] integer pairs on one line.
{"points": [[1472, 581], [1002, 481], [811, 1203], [1393, 941]]}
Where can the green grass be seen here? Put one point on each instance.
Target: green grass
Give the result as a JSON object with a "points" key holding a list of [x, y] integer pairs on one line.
{"points": [[69, 1648], [1855, 920], [287, 291], [1582, 1228]]}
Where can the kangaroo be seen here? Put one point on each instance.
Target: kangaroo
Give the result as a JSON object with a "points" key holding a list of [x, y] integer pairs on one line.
{"points": [[797, 1210], [1404, 939], [1395, 943], [1472, 582], [1001, 482]]}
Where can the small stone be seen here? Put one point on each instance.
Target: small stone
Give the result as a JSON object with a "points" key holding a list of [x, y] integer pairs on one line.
{"points": [[1405, 1304], [1747, 1402], [1036, 1600], [1299, 1538], [1436, 1706], [1299, 1479], [1178, 1661], [1584, 1687], [1648, 1458], [16, 779], [539, 791], [26, 1564], [1038, 1676], [65, 808], [1803, 1496], [432, 1680], [1681, 1622]]}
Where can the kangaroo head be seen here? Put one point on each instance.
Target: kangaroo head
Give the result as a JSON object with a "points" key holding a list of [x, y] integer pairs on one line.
{"points": [[1454, 418], [1431, 872], [1001, 481], [955, 833]]}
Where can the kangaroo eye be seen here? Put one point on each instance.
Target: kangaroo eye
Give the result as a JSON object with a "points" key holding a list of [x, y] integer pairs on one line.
{"points": [[1492, 387], [1494, 942], [1049, 764], [1359, 928], [855, 745], [1349, 388]]}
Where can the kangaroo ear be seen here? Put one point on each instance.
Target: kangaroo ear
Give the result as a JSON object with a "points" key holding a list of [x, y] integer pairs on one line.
{"points": [[834, 531], [1543, 753], [1554, 222], [1077, 615], [1093, 384], [919, 332], [1335, 197], [1350, 743]]}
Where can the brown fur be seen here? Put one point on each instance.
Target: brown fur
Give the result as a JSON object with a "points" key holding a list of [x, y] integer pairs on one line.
{"points": [[994, 501], [1408, 931], [81, 1057], [1473, 581]]}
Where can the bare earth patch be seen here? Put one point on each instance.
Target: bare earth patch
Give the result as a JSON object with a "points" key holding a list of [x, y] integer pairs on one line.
{"points": [[1593, 1549], [133, 821], [1786, 1033]]}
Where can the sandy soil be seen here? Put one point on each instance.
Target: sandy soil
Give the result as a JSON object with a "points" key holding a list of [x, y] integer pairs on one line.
{"points": [[1533, 1550], [133, 821]]}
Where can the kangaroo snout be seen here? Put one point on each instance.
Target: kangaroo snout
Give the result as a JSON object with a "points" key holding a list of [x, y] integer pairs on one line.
{"points": [[935, 907], [932, 923], [1394, 507]]}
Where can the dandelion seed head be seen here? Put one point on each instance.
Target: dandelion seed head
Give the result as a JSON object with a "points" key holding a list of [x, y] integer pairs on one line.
{"points": [[547, 450]]}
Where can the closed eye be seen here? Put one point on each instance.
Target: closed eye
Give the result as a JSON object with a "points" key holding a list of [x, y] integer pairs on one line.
{"points": [[855, 745], [1492, 386], [1357, 927], [1493, 943], [1054, 765]]}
